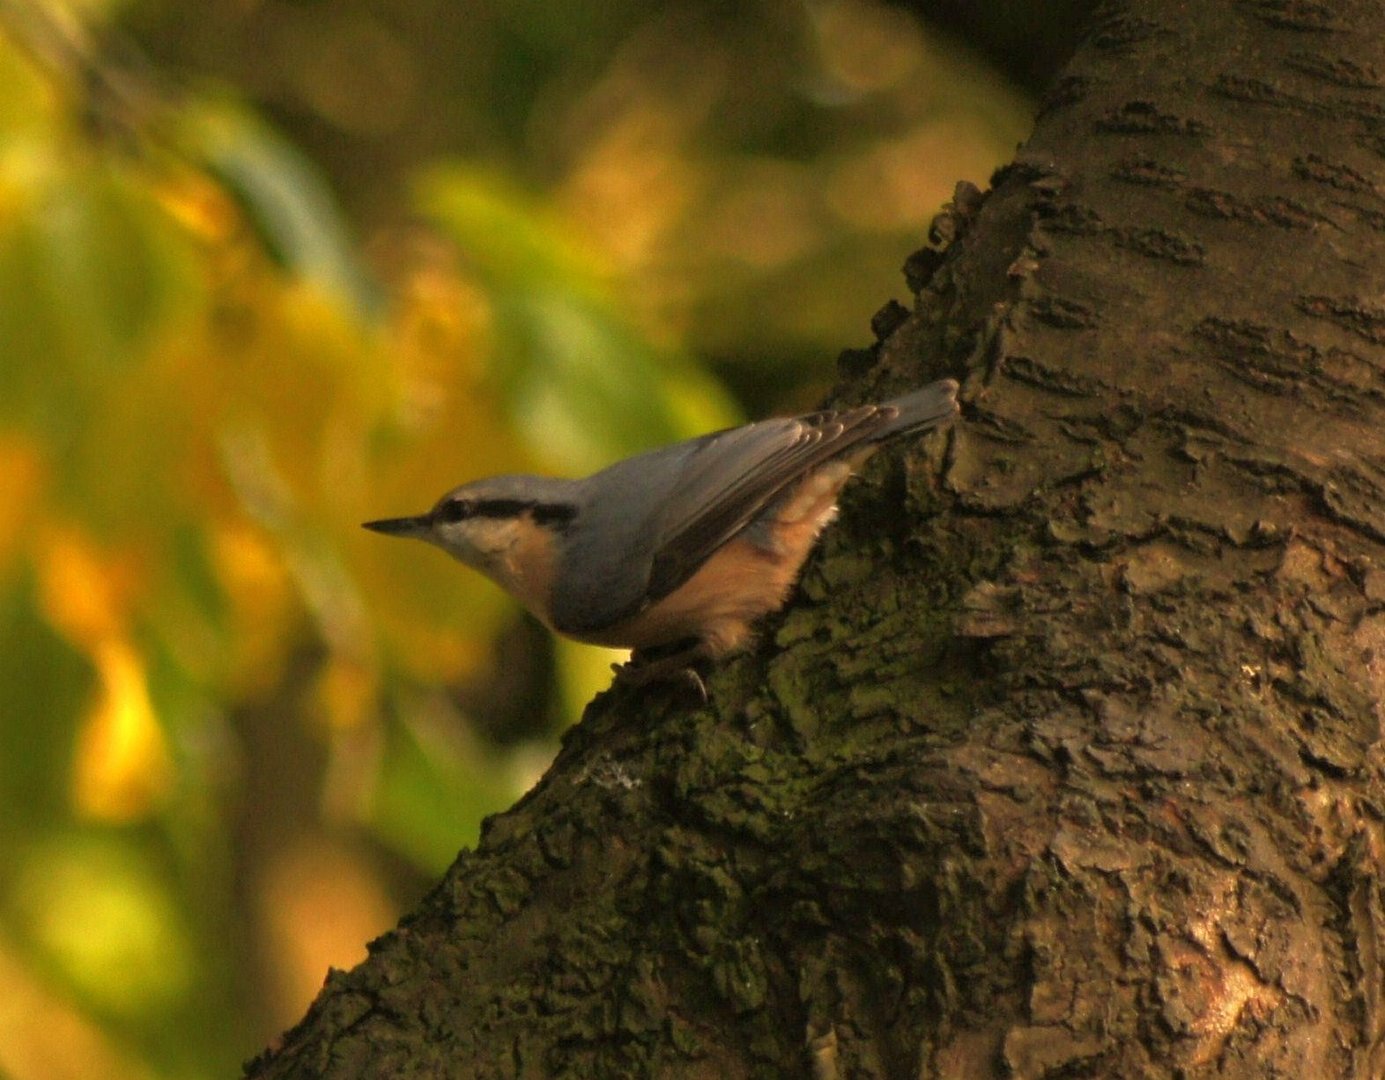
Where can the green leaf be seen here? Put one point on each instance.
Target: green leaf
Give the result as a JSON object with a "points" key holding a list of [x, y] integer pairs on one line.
{"points": [[284, 197], [433, 792], [46, 684], [92, 269], [581, 381]]}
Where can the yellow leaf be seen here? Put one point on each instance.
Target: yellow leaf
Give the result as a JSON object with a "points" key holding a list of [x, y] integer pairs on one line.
{"points": [[123, 769], [200, 205], [263, 608], [83, 595], [346, 693], [44, 1036], [101, 917]]}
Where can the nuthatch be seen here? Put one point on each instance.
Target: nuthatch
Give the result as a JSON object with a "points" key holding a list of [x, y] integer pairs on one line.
{"points": [[678, 550]]}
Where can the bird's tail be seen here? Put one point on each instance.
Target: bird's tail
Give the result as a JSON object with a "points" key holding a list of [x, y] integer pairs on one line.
{"points": [[923, 409]]}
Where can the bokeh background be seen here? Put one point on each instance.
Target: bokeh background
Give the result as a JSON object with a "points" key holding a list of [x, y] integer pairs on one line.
{"points": [[269, 269]]}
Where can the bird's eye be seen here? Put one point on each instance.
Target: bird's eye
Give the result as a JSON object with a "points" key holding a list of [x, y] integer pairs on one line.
{"points": [[454, 510]]}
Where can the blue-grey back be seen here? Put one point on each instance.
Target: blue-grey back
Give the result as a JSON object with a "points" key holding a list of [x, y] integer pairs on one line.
{"points": [[646, 524]]}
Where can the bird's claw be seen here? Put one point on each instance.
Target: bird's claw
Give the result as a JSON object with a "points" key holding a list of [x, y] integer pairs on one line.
{"points": [[676, 668]]}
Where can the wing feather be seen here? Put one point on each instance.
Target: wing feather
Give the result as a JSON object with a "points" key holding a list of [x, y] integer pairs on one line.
{"points": [[649, 523], [727, 486]]}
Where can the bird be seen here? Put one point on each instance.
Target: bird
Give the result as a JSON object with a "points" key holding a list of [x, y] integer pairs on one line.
{"points": [[676, 552]]}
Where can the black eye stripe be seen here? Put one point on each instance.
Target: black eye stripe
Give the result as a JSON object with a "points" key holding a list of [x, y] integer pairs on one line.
{"points": [[556, 515], [501, 508], [454, 510]]}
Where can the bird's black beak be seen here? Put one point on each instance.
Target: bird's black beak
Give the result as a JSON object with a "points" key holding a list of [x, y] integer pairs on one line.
{"points": [[404, 526]]}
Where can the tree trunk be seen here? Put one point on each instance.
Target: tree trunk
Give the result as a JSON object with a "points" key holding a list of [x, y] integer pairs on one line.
{"points": [[1066, 758]]}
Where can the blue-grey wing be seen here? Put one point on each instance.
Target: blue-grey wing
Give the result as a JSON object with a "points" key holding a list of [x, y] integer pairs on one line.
{"points": [[736, 477], [650, 522], [608, 549]]}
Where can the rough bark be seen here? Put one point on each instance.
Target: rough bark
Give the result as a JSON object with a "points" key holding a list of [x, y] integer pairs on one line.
{"points": [[1066, 758]]}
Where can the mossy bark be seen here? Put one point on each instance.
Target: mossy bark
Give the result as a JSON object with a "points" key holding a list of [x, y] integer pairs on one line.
{"points": [[1066, 758]]}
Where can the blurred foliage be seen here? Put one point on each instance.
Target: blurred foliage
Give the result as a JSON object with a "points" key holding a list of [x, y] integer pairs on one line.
{"points": [[237, 733]]}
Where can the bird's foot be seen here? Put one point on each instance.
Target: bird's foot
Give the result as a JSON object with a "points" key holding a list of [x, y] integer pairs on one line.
{"points": [[651, 666]]}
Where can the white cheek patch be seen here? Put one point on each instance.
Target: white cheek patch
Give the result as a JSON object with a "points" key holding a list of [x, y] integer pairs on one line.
{"points": [[480, 544], [495, 538]]}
